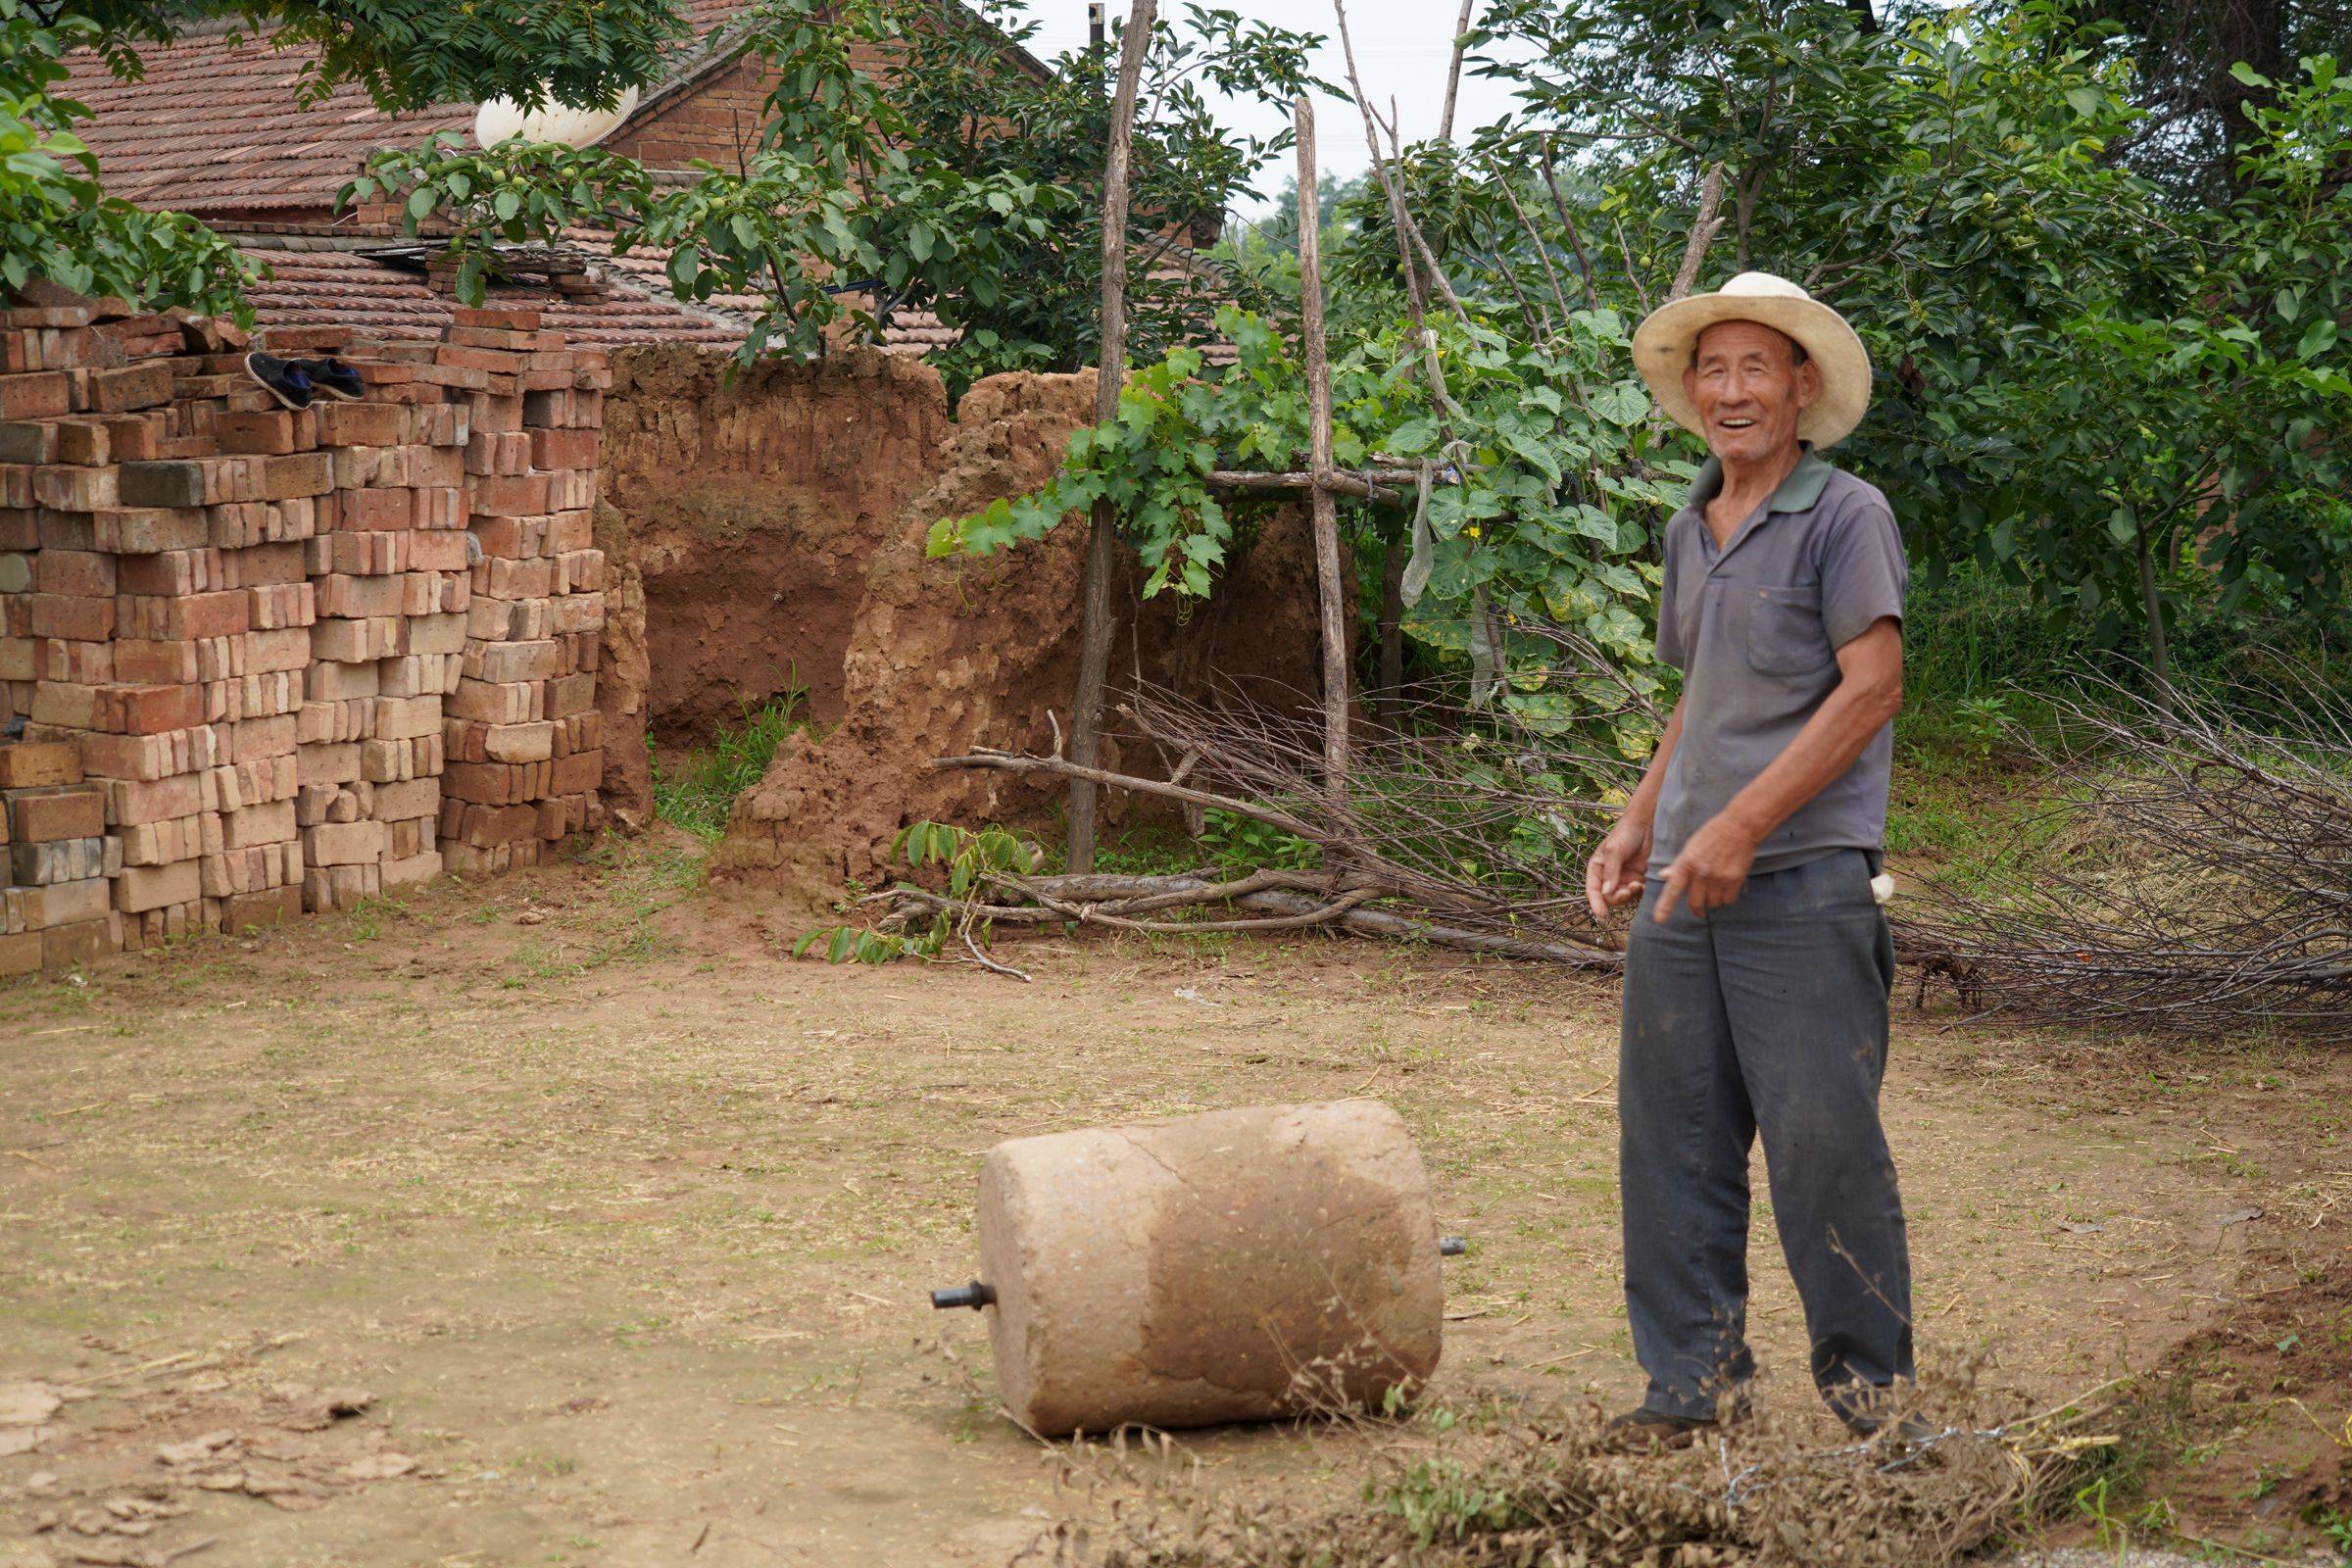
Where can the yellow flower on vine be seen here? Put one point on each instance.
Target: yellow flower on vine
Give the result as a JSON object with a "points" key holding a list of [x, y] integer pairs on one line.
{"points": [[1472, 531]]}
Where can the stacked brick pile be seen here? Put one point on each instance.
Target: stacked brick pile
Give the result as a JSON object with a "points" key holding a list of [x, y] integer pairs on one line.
{"points": [[261, 661], [525, 740]]}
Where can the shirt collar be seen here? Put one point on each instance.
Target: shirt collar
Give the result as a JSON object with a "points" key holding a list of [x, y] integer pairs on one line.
{"points": [[1800, 492]]}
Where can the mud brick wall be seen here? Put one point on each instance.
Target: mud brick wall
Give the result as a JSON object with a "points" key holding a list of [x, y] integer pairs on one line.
{"points": [[256, 661]]}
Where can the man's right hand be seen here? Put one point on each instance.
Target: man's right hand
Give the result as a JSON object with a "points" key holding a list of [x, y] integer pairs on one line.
{"points": [[1613, 877]]}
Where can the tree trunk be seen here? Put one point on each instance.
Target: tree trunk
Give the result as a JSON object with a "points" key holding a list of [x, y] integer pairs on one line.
{"points": [[1095, 629], [2254, 33], [1328, 582], [1398, 552], [2152, 603], [1453, 72]]}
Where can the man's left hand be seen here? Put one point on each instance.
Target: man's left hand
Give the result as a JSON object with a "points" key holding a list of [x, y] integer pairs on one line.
{"points": [[1710, 871]]}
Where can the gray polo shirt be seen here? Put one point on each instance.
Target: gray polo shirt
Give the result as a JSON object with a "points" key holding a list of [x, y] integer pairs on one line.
{"points": [[1755, 628]]}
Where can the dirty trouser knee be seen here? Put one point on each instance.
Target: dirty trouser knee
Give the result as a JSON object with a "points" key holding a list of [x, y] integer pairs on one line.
{"points": [[1771, 1016]]}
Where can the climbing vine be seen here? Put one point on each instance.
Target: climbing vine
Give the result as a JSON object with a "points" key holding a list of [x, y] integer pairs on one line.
{"points": [[1545, 481]]}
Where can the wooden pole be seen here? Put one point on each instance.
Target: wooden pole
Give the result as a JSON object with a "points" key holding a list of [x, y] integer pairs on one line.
{"points": [[1102, 536], [1327, 526], [1453, 72]]}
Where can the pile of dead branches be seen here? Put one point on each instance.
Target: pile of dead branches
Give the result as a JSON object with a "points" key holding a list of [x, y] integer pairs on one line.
{"points": [[1460, 828], [2192, 873], [1552, 1491]]}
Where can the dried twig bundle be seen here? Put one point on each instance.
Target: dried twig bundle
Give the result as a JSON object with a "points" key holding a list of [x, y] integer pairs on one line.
{"points": [[1459, 828], [1552, 1491], [2198, 875]]}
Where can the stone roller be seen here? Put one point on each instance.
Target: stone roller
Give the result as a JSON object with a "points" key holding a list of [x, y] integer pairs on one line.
{"points": [[1235, 1266]]}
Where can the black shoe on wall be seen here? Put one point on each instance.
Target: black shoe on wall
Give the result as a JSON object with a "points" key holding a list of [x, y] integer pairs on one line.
{"points": [[284, 379], [333, 377]]}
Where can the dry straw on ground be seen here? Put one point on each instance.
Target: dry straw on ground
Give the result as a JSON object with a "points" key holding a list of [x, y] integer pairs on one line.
{"points": [[1501, 1490]]}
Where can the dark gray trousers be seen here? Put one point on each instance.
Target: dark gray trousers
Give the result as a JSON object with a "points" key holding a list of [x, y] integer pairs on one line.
{"points": [[1767, 1016]]}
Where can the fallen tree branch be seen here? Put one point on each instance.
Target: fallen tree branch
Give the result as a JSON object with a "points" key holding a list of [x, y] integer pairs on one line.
{"points": [[1030, 763], [1293, 913], [1286, 911], [1381, 923], [2199, 875], [1249, 757]]}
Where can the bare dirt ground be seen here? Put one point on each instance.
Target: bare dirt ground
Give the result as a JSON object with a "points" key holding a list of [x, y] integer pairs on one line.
{"points": [[606, 1226]]}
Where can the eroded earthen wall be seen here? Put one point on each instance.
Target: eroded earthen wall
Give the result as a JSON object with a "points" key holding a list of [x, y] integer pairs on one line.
{"points": [[781, 519], [753, 501]]}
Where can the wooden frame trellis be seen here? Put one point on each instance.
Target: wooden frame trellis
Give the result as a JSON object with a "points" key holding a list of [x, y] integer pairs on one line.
{"points": [[1354, 873]]}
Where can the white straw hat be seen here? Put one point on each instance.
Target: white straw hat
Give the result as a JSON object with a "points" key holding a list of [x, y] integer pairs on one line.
{"points": [[1662, 347]]}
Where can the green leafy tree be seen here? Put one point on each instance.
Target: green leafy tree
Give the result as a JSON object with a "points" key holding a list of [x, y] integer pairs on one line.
{"points": [[2199, 119], [56, 221], [2211, 433], [964, 181], [1534, 512], [408, 53], [2083, 378], [2074, 363]]}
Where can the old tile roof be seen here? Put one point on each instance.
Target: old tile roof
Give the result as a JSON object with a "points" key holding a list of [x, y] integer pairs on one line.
{"points": [[213, 127], [909, 332], [339, 286], [377, 299]]}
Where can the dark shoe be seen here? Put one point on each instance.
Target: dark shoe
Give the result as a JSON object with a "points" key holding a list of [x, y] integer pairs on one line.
{"points": [[284, 379], [1648, 1431], [333, 377]]}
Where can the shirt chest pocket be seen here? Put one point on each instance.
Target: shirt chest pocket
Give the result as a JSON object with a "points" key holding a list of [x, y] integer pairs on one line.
{"points": [[1783, 633]]}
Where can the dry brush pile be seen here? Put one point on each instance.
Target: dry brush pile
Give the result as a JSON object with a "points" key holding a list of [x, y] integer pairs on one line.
{"points": [[2190, 873], [2186, 868], [1455, 828], [1505, 1490]]}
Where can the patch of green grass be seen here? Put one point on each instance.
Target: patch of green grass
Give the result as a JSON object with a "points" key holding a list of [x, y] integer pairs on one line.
{"points": [[639, 879], [1148, 849], [2336, 1526], [974, 1420], [699, 793]]}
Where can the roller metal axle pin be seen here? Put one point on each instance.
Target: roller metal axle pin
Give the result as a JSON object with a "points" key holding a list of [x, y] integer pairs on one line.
{"points": [[974, 1296]]}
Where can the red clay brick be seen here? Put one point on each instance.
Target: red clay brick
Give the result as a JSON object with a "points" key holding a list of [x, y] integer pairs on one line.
{"points": [[69, 489], [37, 396], [31, 764], [510, 319], [65, 946], [510, 495], [75, 811], [73, 617], [285, 478], [361, 424], [75, 571], [563, 449], [86, 442], [271, 433], [131, 386]]}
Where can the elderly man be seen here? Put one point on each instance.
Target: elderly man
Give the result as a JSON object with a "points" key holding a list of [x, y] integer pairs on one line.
{"points": [[1759, 964]]}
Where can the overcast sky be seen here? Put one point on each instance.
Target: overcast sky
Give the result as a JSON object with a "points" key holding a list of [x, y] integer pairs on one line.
{"points": [[1401, 47]]}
